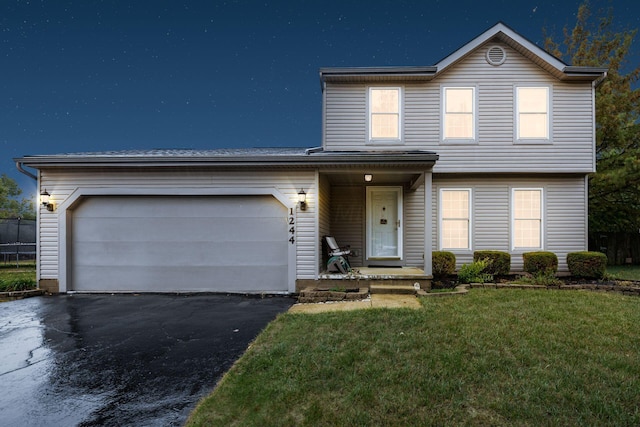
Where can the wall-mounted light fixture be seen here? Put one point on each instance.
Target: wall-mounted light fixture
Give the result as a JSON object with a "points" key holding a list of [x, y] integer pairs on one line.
{"points": [[302, 199], [44, 199], [368, 177]]}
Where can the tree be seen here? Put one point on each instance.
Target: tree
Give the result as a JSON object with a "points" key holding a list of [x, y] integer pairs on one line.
{"points": [[10, 206], [614, 190]]}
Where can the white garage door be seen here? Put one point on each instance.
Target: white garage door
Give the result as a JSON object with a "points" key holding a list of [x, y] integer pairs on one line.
{"points": [[165, 244]]}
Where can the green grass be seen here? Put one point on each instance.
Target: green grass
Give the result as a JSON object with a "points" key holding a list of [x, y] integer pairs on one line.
{"points": [[492, 357], [17, 279], [624, 272]]}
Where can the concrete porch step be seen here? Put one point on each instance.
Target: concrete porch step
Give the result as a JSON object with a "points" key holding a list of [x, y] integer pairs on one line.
{"points": [[392, 289]]}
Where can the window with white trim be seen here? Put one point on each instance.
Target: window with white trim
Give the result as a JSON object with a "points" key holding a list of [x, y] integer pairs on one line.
{"points": [[458, 113], [455, 218], [527, 218], [532, 112], [384, 113]]}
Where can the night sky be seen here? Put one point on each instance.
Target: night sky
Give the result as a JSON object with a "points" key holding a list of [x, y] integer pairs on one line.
{"points": [[88, 75]]}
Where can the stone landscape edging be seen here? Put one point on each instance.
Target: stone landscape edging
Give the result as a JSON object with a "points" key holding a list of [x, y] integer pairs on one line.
{"points": [[13, 295]]}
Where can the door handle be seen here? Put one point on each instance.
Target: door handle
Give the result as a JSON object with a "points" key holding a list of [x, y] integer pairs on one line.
{"points": [[398, 223]]}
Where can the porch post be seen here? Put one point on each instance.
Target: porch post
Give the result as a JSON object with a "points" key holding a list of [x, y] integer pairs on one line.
{"points": [[428, 223]]}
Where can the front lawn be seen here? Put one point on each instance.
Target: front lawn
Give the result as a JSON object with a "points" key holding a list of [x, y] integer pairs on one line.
{"points": [[491, 357], [624, 272]]}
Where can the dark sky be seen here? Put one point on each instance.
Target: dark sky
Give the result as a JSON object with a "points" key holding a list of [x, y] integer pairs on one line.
{"points": [[88, 75]]}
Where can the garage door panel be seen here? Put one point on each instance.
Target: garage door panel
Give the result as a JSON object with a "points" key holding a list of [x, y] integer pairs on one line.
{"points": [[180, 253], [171, 279], [116, 247], [198, 229], [147, 207]]}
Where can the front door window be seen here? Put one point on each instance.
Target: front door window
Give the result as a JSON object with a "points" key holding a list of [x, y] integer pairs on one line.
{"points": [[384, 222]]}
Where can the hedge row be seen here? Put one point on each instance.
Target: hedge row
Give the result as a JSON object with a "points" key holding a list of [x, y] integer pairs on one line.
{"points": [[581, 264]]}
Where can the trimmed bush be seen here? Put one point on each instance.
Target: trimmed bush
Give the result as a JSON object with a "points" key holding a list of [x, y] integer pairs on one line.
{"points": [[541, 262], [498, 262], [444, 263], [586, 264]]}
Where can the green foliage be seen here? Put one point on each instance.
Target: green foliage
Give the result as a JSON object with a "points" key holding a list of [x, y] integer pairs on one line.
{"points": [[444, 263], [475, 272], [540, 262], [10, 205], [542, 278], [17, 282], [498, 262], [614, 191], [587, 264]]}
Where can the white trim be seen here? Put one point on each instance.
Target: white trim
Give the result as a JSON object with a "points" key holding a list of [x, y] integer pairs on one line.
{"points": [[400, 139], [512, 219], [65, 213], [586, 212], [316, 225], [474, 115], [469, 248], [38, 230], [428, 223], [368, 222], [488, 35], [516, 115]]}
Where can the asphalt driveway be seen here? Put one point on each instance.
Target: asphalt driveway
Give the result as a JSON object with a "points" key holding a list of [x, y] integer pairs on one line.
{"points": [[142, 360]]}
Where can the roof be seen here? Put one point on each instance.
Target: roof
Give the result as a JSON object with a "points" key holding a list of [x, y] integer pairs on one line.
{"points": [[500, 32], [232, 157]]}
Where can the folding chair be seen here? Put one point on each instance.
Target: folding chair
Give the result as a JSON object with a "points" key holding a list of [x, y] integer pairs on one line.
{"points": [[338, 257]]}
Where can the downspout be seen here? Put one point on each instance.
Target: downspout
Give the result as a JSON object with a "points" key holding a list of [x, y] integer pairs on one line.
{"points": [[26, 172]]}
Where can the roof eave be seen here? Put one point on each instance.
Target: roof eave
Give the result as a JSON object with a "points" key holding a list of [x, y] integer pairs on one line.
{"points": [[365, 74], [324, 159]]}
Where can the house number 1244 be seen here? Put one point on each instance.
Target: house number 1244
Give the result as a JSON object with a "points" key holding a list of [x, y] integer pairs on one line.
{"points": [[292, 229]]}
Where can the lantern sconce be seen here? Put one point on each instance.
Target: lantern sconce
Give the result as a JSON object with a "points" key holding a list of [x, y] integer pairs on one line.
{"points": [[45, 200], [302, 199], [368, 177]]}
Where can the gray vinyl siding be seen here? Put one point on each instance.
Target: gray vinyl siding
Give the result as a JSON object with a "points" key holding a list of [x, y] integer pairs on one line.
{"points": [[572, 144], [347, 219], [61, 184], [564, 219], [414, 220], [346, 117]]}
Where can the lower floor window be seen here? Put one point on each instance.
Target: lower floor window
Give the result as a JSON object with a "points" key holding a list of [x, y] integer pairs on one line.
{"points": [[455, 218], [527, 218]]}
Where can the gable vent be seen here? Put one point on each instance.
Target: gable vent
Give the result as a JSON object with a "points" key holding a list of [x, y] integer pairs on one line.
{"points": [[496, 55]]}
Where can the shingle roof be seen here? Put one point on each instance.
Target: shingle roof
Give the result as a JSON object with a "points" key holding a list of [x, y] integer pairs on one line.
{"points": [[233, 157], [184, 152]]}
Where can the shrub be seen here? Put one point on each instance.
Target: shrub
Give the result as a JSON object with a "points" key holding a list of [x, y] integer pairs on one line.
{"points": [[475, 272], [540, 262], [498, 262], [587, 264], [444, 263], [18, 283]]}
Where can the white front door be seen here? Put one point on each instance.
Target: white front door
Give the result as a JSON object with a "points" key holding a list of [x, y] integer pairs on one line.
{"points": [[384, 223]]}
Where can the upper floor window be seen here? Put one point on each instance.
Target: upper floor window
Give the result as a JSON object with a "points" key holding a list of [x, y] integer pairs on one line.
{"points": [[455, 219], [532, 110], [527, 218], [459, 113], [384, 113]]}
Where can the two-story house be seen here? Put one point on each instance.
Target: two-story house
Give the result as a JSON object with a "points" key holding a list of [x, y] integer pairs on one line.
{"points": [[490, 148]]}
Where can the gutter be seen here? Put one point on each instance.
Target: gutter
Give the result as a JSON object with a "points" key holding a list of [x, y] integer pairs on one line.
{"points": [[20, 167], [312, 158]]}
